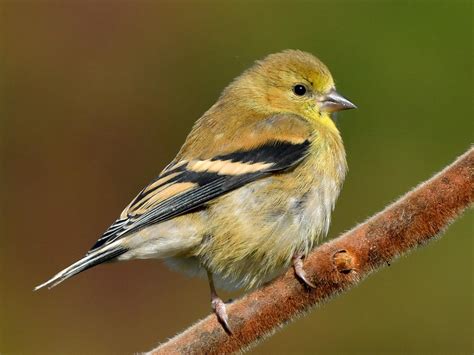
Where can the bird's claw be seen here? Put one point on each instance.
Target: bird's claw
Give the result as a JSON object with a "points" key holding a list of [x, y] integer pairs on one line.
{"points": [[220, 310], [299, 271]]}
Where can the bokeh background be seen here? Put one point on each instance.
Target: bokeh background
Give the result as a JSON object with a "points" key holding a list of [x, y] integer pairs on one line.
{"points": [[96, 98]]}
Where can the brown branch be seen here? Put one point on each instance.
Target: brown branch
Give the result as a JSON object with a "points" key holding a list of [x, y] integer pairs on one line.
{"points": [[413, 220]]}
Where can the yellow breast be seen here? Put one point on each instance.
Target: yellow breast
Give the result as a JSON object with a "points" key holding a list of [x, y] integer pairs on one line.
{"points": [[255, 230]]}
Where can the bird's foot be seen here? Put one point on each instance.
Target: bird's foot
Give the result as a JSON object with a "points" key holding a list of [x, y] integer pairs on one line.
{"points": [[220, 310], [299, 271]]}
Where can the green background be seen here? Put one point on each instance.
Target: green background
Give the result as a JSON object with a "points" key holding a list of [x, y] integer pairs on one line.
{"points": [[97, 97]]}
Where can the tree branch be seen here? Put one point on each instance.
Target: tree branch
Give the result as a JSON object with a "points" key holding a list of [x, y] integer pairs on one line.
{"points": [[337, 265]]}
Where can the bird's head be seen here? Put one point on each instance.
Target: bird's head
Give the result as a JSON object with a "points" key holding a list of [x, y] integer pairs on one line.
{"points": [[291, 81]]}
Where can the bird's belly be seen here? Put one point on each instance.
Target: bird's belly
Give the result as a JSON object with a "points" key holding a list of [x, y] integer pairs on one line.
{"points": [[258, 228]]}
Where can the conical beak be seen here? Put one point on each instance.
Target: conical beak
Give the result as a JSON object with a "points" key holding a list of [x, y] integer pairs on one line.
{"points": [[333, 101]]}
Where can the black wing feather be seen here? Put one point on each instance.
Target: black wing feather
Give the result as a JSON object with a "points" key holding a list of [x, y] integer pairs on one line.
{"points": [[279, 155]]}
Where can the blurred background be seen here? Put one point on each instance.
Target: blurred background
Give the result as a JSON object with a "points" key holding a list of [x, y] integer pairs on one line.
{"points": [[98, 96]]}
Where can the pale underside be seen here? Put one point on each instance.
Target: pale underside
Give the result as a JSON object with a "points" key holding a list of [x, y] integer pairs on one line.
{"points": [[253, 234]]}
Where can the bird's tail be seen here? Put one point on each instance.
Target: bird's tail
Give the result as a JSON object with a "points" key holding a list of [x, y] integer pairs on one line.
{"points": [[85, 263]]}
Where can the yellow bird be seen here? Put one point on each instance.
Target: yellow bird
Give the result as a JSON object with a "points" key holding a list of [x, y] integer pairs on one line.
{"points": [[252, 189]]}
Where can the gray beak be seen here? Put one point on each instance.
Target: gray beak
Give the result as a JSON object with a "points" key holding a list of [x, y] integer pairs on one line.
{"points": [[333, 101]]}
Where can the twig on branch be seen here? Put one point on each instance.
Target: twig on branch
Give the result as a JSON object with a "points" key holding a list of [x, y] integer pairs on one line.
{"points": [[335, 266]]}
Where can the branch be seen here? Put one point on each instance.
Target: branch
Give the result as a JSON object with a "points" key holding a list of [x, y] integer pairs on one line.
{"points": [[337, 265]]}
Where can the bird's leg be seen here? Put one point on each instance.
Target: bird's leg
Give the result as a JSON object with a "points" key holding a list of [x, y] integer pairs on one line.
{"points": [[299, 271], [218, 306]]}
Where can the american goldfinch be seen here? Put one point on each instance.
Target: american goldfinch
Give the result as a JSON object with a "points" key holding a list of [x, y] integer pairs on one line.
{"points": [[252, 189]]}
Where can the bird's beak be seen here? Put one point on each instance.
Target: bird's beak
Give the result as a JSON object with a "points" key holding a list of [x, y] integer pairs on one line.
{"points": [[333, 101]]}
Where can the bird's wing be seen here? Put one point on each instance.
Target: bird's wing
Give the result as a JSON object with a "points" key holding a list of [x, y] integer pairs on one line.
{"points": [[187, 185]]}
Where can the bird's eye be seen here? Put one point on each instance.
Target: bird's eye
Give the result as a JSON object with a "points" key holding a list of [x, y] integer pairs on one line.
{"points": [[299, 89]]}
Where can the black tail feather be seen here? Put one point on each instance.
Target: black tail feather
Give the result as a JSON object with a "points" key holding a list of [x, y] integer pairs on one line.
{"points": [[93, 259]]}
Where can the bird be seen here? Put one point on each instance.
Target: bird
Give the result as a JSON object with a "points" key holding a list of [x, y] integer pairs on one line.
{"points": [[251, 191]]}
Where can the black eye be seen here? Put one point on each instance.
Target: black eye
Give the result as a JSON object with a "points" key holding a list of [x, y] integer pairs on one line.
{"points": [[299, 89]]}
